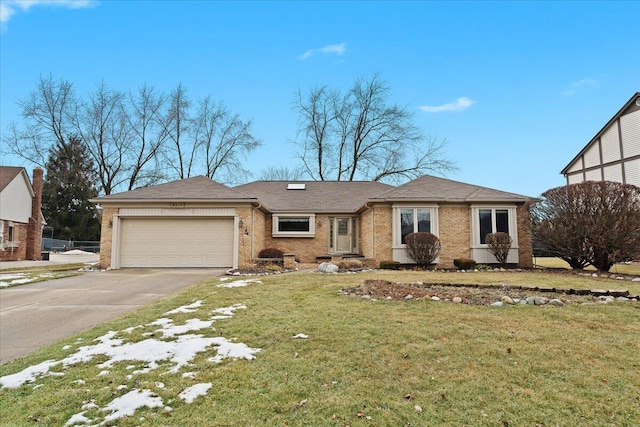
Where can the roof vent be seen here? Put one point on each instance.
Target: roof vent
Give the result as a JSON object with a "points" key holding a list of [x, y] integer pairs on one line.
{"points": [[296, 186]]}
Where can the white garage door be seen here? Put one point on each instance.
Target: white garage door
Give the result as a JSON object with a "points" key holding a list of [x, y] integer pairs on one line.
{"points": [[176, 242]]}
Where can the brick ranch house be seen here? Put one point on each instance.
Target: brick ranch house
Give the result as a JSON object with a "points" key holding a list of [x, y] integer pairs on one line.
{"points": [[197, 222], [21, 219]]}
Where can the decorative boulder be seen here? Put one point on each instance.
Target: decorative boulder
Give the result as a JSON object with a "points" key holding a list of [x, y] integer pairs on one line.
{"points": [[327, 267]]}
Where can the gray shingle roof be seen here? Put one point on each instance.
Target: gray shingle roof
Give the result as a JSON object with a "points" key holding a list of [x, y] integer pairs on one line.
{"points": [[195, 188], [318, 196], [431, 188]]}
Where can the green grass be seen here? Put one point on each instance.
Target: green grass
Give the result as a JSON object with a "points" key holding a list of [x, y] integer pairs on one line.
{"points": [[463, 365]]}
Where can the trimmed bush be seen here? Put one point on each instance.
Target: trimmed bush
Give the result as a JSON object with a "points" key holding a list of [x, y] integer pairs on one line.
{"points": [[390, 265], [422, 247], [270, 253], [350, 263], [499, 244], [464, 263]]}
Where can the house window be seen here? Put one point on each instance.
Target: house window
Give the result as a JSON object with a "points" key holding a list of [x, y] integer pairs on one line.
{"points": [[493, 220], [414, 220], [294, 225], [11, 233]]}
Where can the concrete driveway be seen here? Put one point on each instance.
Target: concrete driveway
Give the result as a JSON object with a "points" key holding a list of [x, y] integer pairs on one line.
{"points": [[35, 315]]}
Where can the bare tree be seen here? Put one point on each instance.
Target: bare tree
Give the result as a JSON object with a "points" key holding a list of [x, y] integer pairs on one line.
{"points": [[595, 223], [223, 141], [360, 135], [134, 139], [101, 123], [149, 133], [281, 173], [180, 154], [47, 113]]}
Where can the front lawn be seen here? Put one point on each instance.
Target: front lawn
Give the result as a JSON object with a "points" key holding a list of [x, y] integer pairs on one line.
{"points": [[230, 359]]}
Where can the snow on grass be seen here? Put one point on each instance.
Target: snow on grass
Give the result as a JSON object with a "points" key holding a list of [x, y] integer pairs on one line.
{"points": [[186, 308], [176, 348], [27, 375], [192, 393], [239, 283], [126, 405]]}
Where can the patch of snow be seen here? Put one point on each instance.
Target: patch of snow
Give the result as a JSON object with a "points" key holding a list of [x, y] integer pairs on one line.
{"points": [[190, 394], [66, 347], [231, 350], [186, 308], [12, 276], [79, 419], [160, 385], [170, 330], [103, 373], [126, 405], [22, 281], [76, 252], [189, 374], [301, 336], [27, 375], [229, 311], [239, 283]]}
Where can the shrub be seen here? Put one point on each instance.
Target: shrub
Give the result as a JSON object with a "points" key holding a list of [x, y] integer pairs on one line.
{"points": [[390, 265], [595, 223], [423, 248], [464, 263], [350, 263], [499, 244], [270, 253]]}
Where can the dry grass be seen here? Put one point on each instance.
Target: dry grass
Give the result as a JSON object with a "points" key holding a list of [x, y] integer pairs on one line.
{"points": [[372, 362]]}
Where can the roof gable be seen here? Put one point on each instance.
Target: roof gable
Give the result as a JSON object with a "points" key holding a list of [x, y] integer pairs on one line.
{"points": [[317, 196], [195, 188], [633, 104], [431, 188], [9, 173]]}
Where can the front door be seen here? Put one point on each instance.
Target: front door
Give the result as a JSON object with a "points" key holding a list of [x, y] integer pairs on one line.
{"points": [[344, 235]]}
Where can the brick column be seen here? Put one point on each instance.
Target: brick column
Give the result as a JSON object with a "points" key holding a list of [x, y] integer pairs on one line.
{"points": [[34, 232]]}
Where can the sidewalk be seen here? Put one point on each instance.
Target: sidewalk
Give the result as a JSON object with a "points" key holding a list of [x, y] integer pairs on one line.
{"points": [[71, 257]]}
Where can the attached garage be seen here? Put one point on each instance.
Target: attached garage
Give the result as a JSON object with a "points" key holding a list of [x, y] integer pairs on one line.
{"points": [[176, 242]]}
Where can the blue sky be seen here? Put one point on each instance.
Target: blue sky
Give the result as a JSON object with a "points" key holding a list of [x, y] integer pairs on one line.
{"points": [[517, 88]]}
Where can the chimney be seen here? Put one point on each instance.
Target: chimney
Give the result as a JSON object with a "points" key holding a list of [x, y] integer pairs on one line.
{"points": [[34, 233]]}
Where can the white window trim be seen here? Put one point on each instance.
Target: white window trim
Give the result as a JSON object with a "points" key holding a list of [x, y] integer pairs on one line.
{"points": [[277, 233], [395, 222], [1, 234], [475, 223]]}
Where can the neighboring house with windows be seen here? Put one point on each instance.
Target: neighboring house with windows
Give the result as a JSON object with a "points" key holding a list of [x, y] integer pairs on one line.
{"points": [[21, 217], [197, 222], [613, 154]]}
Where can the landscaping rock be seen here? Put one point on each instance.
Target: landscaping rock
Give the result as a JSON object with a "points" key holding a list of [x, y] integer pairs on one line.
{"points": [[556, 301], [531, 301], [457, 300], [497, 304], [327, 267], [435, 298], [636, 279], [408, 297], [540, 300], [507, 300]]}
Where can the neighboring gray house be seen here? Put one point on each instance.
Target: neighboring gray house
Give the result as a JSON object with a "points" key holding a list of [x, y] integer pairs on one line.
{"points": [[613, 154]]}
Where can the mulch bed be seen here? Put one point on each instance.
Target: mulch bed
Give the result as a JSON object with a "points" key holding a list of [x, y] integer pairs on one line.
{"points": [[474, 295]]}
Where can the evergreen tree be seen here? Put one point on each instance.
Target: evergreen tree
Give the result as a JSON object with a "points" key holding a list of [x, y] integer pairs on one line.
{"points": [[69, 184]]}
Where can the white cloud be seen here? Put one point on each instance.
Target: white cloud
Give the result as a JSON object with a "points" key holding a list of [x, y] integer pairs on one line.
{"points": [[337, 49], [460, 104], [8, 8], [579, 85]]}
